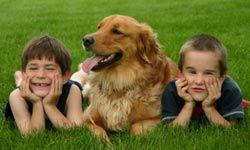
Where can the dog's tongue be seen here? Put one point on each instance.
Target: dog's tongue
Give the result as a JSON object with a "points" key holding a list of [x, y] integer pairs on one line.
{"points": [[89, 63]]}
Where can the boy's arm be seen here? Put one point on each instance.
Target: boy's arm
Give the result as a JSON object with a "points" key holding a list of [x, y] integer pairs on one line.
{"points": [[214, 86], [214, 116], [175, 90], [56, 117], [185, 115], [26, 122], [74, 110], [74, 106], [49, 103]]}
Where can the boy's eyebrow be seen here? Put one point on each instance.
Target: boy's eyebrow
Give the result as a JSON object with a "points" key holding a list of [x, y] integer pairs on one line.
{"points": [[208, 70], [50, 65], [188, 67], [34, 64]]}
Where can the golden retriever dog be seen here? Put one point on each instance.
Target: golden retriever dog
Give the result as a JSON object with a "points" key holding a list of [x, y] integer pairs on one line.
{"points": [[128, 74]]}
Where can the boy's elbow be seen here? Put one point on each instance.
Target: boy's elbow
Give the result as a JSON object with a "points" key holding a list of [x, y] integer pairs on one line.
{"points": [[29, 129], [14, 94], [76, 122], [175, 123]]}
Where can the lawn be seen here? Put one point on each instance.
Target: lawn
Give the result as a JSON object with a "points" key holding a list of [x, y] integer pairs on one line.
{"points": [[173, 20]]}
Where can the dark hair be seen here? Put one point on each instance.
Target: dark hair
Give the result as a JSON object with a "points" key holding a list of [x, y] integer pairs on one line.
{"points": [[49, 48], [203, 42]]}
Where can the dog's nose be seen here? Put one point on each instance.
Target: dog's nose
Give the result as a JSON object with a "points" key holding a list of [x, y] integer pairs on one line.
{"points": [[88, 40]]}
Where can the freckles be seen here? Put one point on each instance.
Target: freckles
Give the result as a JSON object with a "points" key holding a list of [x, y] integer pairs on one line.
{"points": [[189, 81]]}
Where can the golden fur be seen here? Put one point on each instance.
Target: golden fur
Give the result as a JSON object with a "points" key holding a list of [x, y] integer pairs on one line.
{"points": [[127, 92]]}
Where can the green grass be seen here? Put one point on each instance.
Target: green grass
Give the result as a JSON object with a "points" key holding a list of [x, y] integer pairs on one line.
{"points": [[173, 20]]}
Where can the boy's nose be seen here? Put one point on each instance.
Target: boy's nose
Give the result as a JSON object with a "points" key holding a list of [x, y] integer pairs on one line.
{"points": [[41, 73], [199, 79]]}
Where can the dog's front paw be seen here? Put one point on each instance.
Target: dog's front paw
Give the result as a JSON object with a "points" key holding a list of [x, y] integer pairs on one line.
{"points": [[136, 129], [100, 133], [143, 126]]}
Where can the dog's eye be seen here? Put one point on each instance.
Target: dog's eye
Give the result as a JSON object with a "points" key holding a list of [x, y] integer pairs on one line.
{"points": [[116, 31]]}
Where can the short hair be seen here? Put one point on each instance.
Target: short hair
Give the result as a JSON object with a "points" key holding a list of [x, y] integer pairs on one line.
{"points": [[49, 48], [203, 42]]}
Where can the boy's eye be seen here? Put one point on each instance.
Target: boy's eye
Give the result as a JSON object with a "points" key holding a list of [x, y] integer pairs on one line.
{"points": [[32, 68], [50, 68], [209, 73], [191, 72]]}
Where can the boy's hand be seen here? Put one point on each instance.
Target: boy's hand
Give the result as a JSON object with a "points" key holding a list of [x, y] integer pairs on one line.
{"points": [[25, 90], [182, 87], [213, 86], [55, 91]]}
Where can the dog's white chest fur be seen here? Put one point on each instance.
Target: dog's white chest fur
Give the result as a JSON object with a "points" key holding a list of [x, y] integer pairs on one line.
{"points": [[114, 113], [112, 101]]}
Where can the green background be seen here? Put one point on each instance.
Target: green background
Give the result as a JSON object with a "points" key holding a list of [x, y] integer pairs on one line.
{"points": [[173, 20]]}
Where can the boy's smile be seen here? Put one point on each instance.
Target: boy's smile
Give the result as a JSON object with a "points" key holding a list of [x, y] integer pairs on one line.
{"points": [[198, 67], [41, 73], [40, 89]]}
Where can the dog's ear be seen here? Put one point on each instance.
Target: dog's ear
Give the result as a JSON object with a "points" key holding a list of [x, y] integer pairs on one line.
{"points": [[147, 43]]}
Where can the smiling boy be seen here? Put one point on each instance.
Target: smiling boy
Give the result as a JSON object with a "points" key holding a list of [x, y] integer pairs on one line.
{"points": [[203, 86], [44, 90]]}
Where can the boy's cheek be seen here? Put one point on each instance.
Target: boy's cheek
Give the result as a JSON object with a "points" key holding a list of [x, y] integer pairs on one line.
{"points": [[54, 75], [210, 80], [179, 76], [28, 75]]}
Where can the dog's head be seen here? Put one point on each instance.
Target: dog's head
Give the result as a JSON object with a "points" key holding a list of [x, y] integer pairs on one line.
{"points": [[119, 40]]}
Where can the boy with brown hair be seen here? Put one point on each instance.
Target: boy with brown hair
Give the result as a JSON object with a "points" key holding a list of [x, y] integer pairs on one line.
{"points": [[44, 90], [203, 87]]}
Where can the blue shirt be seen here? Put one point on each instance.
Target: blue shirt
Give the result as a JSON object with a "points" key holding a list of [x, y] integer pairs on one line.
{"points": [[229, 105]]}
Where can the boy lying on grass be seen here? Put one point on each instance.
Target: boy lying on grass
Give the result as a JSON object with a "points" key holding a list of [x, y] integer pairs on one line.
{"points": [[45, 93], [203, 86]]}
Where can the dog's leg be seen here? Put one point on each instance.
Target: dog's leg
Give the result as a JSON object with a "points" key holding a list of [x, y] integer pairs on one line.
{"points": [[90, 119], [98, 131], [143, 126]]}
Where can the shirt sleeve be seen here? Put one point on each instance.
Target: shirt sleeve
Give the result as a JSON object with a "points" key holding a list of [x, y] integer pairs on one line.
{"points": [[230, 106], [170, 106]]}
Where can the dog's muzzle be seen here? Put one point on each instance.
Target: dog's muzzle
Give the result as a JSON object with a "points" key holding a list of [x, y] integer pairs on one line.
{"points": [[88, 41]]}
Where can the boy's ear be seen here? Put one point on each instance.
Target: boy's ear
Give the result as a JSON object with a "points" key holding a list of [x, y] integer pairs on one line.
{"points": [[66, 76], [224, 75]]}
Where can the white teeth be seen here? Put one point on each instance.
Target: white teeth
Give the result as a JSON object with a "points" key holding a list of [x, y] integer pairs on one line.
{"points": [[108, 58], [112, 56], [41, 84]]}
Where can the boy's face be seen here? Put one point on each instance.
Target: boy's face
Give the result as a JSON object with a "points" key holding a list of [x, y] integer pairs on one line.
{"points": [[197, 68], [41, 73]]}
